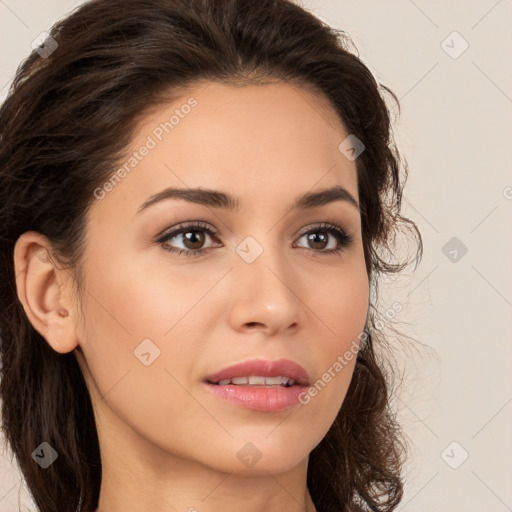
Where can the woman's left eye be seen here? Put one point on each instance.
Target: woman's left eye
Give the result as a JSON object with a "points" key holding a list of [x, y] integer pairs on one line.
{"points": [[195, 237], [341, 239]]}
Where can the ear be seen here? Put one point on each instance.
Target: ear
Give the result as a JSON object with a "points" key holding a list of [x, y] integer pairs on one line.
{"points": [[45, 291]]}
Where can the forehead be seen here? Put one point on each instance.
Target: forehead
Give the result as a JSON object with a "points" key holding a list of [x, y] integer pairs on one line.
{"points": [[262, 143]]}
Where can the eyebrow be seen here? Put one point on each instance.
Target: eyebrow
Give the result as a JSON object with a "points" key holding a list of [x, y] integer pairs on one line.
{"points": [[217, 199]]}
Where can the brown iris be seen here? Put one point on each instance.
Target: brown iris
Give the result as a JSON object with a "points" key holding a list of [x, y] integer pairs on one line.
{"points": [[318, 239], [194, 237]]}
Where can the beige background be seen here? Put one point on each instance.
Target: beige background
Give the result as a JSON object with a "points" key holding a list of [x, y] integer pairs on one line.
{"points": [[455, 132]]}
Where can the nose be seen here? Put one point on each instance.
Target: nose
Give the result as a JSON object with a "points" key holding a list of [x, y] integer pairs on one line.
{"points": [[266, 295]]}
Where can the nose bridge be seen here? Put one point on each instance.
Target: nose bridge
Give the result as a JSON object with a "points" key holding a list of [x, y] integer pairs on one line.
{"points": [[267, 292], [262, 256]]}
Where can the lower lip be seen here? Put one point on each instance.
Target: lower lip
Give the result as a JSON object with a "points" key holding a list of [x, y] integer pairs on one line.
{"points": [[257, 398]]}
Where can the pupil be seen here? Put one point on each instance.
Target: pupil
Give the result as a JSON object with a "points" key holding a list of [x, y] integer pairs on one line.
{"points": [[314, 238], [188, 238]]}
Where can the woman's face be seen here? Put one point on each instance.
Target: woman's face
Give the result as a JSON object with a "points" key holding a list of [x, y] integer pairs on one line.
{"points": [[157, 323]]}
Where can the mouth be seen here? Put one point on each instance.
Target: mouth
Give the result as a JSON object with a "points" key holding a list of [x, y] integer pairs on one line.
{"points": [[261, 385], [257, 381], [261, 372]]}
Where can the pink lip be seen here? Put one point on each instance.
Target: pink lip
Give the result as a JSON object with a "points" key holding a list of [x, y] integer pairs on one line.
{"points": [[261, 398], [265, 368]]}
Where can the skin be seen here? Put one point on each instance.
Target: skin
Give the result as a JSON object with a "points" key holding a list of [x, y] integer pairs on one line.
{"points": [[167, 443]]}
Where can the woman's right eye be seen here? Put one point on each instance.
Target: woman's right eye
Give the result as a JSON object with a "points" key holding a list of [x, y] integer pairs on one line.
{"points": [[197, 238]]}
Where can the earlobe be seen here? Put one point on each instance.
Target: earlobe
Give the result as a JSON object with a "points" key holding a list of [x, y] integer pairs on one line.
{"points": [[40, 286]]}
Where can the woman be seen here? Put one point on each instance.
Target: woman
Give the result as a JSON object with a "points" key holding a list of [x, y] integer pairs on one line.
{"points": [[196, 200]]}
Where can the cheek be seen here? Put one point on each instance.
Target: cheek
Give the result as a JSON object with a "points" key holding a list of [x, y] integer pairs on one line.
{"points": [[131, 314], [138, 313], [147, 300], [340, 302], [339, 307]]}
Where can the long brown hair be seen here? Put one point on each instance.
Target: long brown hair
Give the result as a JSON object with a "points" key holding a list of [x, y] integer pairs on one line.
{"points": [[69, 115]]}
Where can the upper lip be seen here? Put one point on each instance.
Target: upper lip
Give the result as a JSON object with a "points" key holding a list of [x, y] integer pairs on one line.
{"points": [[264, 368]]}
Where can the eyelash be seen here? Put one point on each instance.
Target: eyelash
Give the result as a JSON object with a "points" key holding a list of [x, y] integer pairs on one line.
{"points": [[343, 238]]}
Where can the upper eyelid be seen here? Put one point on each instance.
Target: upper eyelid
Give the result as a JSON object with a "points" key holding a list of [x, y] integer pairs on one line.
{"points": [[182, 226]]}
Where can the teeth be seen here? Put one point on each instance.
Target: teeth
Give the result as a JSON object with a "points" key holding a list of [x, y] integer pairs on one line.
{"points": [[272, 380], [256, 380]]}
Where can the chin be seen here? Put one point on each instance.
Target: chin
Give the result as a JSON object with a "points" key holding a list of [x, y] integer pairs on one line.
{"points": [[262, 456]]}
